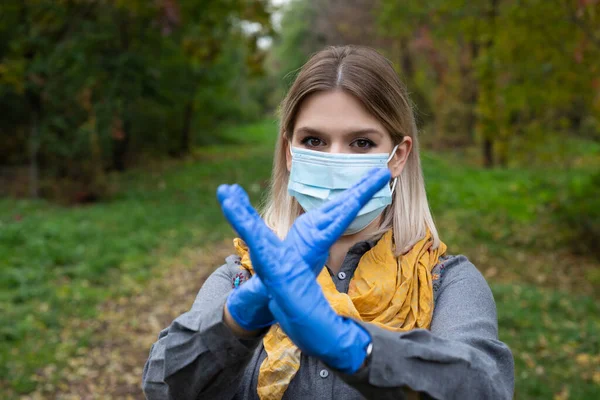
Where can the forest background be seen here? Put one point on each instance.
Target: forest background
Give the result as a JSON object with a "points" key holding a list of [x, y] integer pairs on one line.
{"points": [[119, 118]]}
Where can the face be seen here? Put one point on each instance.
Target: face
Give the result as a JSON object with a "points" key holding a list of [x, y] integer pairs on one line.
{"points": [[336, 122]]}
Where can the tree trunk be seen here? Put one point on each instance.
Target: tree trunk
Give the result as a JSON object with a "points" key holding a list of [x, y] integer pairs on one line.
{"points": [[503, 153], [120, 145], [488, 152], [487, 106], [34, 145], [121, 126], [469, 85], [408, 68], [495, 131], [185, 142], [474, 90], [98, 184]]}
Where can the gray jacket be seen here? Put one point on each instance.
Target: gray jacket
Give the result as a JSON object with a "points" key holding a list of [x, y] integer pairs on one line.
{"points": [[460, 357]]}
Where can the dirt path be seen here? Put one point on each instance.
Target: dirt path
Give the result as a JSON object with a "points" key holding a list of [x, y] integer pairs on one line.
{"points": [[111, 366]]}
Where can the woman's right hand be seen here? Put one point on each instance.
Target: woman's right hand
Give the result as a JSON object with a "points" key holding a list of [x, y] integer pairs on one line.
{"points": [[246, 310], [244, 303]]}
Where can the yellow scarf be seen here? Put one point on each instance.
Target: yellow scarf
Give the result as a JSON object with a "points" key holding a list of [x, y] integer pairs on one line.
{"points": [[393, 293]]}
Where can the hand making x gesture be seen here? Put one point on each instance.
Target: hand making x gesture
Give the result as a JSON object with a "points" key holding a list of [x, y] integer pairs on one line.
{"points": [[285, 289]]}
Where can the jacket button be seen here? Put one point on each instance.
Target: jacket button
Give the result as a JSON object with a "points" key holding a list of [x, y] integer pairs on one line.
{"points": [[324, 373]]}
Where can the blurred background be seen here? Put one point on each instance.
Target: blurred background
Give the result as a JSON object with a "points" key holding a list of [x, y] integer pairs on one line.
{"points": [[119, 118]]}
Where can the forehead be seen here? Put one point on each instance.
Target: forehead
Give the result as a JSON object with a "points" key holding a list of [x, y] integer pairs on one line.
{"points": [[335, 111]]}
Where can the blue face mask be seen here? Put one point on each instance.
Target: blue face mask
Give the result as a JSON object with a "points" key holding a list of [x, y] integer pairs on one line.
{"points": [[317, 177]]}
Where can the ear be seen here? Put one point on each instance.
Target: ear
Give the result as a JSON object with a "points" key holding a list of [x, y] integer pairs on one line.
{"points": [[288, 156], [396, 164]]}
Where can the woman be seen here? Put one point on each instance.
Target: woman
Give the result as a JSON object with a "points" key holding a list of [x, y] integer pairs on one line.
{"points": [[390, 316]]}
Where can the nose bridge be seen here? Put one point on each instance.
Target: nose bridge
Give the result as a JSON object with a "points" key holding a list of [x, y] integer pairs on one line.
{"points": [[338, 145]]}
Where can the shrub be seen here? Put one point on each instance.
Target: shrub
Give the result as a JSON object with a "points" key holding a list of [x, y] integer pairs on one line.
{"points": [[578, 211]]}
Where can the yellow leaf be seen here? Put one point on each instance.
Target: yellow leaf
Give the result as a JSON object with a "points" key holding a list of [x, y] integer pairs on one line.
{"points": [[562, 395], [582, 359]]}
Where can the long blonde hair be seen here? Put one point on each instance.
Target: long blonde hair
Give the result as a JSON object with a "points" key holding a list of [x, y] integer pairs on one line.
{"points": [[371, 78]]}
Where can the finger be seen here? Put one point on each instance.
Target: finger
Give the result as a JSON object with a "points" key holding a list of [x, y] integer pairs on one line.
{"points": [[262, 242], [247, 303], [223, 192], [237, 209], [339, 213], [235, 191], [303, 235], [298, 296], [362, 191], [319, 229], [234, 199]]}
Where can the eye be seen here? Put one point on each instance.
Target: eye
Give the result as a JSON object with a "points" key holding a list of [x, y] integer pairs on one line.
{"points": [[363, 144], [311, 141]]}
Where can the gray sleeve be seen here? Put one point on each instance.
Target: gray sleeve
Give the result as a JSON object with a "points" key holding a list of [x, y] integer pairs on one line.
{"points": [[459, 358], [198, 355]]}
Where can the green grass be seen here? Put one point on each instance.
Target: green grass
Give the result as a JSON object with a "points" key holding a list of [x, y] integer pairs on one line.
{"points": [[59, 263], [555, 339]]}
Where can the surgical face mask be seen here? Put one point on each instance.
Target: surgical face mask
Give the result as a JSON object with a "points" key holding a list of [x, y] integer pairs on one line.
{"points": [[317, 177]]}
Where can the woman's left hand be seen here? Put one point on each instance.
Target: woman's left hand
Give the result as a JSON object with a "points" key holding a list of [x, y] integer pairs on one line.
{"points": [[297, 301]]}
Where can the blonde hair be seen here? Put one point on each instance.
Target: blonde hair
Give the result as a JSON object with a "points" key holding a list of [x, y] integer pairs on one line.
{"points": [[371, 78]]}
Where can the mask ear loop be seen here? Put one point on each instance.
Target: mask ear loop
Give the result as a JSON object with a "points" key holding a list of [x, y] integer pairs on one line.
{"points": [[388, 160]]}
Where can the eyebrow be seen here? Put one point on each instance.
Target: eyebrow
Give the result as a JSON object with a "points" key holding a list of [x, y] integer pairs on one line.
{"points": [[312, 131]]}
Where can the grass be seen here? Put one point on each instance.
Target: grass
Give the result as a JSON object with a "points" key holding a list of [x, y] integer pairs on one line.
{"points": [[59, 263], [555, 339]]}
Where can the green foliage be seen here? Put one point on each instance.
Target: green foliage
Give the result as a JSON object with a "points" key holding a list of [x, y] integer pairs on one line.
{"points": [[578, 210], [555, 340], [528, 69], [492, 73], [514, 206], [295, 43], [58, 263], [90, 86]]}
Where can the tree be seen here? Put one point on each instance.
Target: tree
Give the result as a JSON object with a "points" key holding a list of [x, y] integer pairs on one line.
{"points": [[529, 66], [90, 84]]}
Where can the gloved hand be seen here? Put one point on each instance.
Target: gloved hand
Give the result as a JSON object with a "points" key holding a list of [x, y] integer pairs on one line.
{"points": [[287, 270], [248, 303]]}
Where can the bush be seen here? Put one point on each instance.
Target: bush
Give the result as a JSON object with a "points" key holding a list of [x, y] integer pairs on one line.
{"points": [[578, 211]]}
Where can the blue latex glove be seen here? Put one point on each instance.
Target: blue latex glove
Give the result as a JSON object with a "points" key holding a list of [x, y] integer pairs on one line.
{"points": [[248, 303], [287, 270]]}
